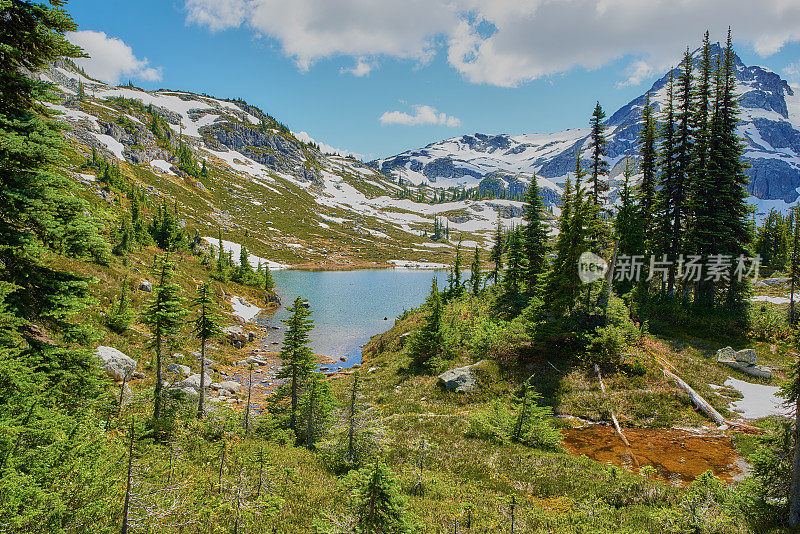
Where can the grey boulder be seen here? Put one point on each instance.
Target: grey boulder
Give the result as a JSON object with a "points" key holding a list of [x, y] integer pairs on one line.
{"points": [[460, 379], [178, 369], [193, 381], [117, 365]]}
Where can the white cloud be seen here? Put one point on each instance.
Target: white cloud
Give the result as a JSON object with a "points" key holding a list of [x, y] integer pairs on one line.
{"points": [[423, 115], [328, 149], [111, 59], [792, 71], [504, 42], [637, 72], [362, 68]]}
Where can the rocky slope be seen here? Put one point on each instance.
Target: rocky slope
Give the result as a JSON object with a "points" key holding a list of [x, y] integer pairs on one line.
{"points": [[770, 129], [286, 200]]}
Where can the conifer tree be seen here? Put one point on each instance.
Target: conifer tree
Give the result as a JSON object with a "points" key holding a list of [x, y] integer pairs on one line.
{"points": [[380, 506], [629, 224], [426, 343], [669, 198], [315, 410], [726, 170], [563, 285], [269, 282], [534, 237], [647, 147], [532, 425], [120, 316], [206, 326], [795, 261], [164, 316], [597, 145], [454, 284], [497, 252], [475, 273], [514, 275], [296, 354]]}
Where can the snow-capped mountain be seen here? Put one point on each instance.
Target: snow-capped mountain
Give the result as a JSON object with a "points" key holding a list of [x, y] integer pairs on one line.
{"points": [[769, 127], [292, 202]]}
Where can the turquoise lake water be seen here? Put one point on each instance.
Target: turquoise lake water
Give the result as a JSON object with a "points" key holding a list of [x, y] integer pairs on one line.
{"points": [[349, 307]]}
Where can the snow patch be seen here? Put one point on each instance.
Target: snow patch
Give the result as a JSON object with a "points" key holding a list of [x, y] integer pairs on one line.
{"points": [[244, 310], [758, 400], [236, 249], [408, 264], [163, 166]]}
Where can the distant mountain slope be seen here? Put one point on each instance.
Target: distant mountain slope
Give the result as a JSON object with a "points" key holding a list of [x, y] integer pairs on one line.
{"points": [[770, 127], [287, 200]]}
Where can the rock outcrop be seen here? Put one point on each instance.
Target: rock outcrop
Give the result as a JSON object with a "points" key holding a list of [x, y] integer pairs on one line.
{"points": [[116, 364], [460, 379]]}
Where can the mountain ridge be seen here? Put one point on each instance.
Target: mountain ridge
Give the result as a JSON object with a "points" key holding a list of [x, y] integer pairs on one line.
{"points": [[770, 126]]}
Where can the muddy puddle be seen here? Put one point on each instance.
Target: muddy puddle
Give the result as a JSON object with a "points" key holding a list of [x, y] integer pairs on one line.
{"points": [[678, 456]]}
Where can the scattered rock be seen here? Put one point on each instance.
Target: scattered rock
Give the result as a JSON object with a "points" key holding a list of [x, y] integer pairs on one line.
{"points": [[146, 286], [117, 365], [193, 381], [235, 335], [255, 361], [139, 376], [179, 369], [342, 358], [460, 379], [230, 386], [404, 338], [747, 356], [777, 281], [743, 360]]}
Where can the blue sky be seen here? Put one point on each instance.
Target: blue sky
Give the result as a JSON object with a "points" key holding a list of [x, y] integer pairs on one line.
{"points": [[485, 67]]}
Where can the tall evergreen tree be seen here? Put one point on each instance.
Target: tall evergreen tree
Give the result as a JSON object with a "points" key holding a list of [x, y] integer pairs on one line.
{"points": [[629, 224], [475, 273], [164, 315], [534, 237], [647, 147], [597, 146], [497, 252], [563, 284], [296, 354], [206, 326], [454, 284], [426, 343], [516, 266], [726, 170], [669, 198]]}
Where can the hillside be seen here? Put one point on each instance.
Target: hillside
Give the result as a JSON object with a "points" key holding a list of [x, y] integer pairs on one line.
{"points": [[281, 197], [770, 127]]}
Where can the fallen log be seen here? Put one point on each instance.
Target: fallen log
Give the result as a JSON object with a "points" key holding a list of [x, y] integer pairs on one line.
{"points": [[613, 417], [697, 400], [701, 403]]}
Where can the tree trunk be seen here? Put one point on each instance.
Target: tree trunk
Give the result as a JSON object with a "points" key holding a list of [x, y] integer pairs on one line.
{"points": [[247, 410], [121, 394], [352, 422], [794, 497], [126, 506], [310, 429], [293, 417], [157, 406], [201, 402]]}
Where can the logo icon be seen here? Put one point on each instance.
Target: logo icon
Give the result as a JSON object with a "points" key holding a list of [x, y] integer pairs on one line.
{"points": [[591, 267]]}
